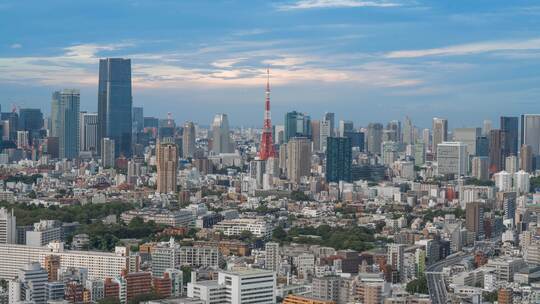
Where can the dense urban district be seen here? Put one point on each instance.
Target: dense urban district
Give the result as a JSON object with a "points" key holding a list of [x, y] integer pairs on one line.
{"points": [[119, 207]]}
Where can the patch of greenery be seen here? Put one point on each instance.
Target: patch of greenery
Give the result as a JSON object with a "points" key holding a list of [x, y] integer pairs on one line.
{"points": [[535, 182], [417, 286], [477, 182], [106, 236], [355, 238], [431, 214], [299, 196], [84, 214]]}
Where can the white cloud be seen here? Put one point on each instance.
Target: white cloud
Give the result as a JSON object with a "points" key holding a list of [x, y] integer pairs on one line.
{"points": [[16, 46], [227, 63], [207, 66], [470, 48], [288, 61], [311, 4]]}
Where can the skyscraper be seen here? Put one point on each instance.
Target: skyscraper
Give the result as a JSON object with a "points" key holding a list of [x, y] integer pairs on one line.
{"points": [[107, 152], [396, 259], [452, 158], [344, 126], [54, 130], [331, 118], [221, 139], [298, 158], [408, 132], [394, 131], [138, 119], [468, 136], [297, 125], [480, 168], [115, 103], [497, 143], [188, 140], [316, 134], [440, 133], [486, 128], [374, 138], [89, 132], [272, 256], [30, 285], [69, 101], [8, 227], [510, 125], [474, 218], [30, 120], [167, 166], [526, 158], [267, 143], [325, 131], [338, 159], [530, 135]]}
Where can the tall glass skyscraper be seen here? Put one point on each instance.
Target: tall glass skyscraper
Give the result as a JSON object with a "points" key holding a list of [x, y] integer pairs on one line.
{"points": [[297, 125], [338, 159], [511, 126], [115, 103], [69, 102]]}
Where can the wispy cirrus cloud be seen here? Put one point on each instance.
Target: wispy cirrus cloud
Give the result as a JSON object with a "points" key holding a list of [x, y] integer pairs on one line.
{"points": [[470, 48], [314, 4], [216, 66]]}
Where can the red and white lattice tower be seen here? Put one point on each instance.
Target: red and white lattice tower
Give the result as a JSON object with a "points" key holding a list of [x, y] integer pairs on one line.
{"points": [[267, 143]]}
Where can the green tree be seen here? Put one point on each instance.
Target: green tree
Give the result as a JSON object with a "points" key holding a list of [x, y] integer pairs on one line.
{"points": [[279, 234], [186, 274], [418, 285], [490, 297]]}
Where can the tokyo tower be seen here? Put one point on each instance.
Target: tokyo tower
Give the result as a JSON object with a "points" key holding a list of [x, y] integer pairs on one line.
{"points": [[267, 143]]}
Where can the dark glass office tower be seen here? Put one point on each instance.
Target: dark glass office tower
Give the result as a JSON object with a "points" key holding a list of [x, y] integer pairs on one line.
{"points": [[510, 125], [297, 125], [338, 159], [30, 119], [115, 103]]}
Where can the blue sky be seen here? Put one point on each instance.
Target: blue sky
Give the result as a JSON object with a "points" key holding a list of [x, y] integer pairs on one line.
{"points": [[366, 60]]}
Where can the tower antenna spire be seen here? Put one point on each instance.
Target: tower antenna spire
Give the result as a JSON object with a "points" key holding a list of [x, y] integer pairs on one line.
{"points": [[267, 143]]}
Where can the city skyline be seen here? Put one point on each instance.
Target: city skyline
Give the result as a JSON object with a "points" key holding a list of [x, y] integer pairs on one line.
{"points": [[366, 61]]}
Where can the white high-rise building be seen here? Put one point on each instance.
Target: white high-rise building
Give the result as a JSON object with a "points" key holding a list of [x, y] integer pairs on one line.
{"points": [[221, 139], [511, 164], [89, 132], [452, 158], [272, 257], [468, 136], [522, 182], [408, 132], [23, 140], [440, 132], [503, 181], [45, 231], [325, 132], [487, 127], [8, 227], [249, 286], [100, 265], [396, 258], [107, 152], [30, 285], [426, 138], [252, 286]]}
